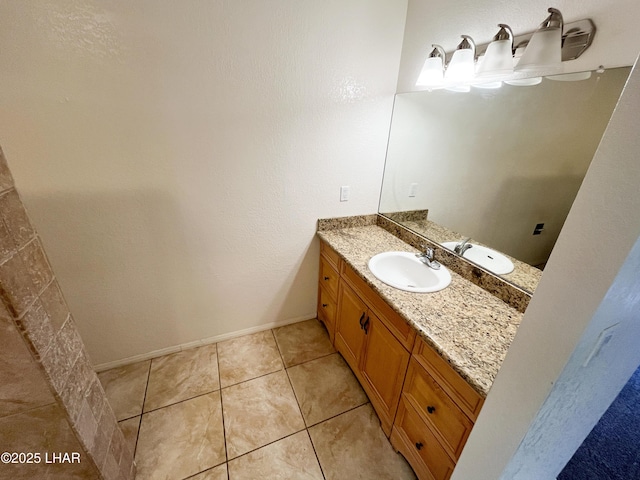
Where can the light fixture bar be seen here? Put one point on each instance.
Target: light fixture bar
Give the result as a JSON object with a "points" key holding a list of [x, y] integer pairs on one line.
{"points": [[576, 38]]}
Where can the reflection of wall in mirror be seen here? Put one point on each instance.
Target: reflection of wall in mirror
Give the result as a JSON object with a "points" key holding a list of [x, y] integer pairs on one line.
{"points": [[494, 163]]}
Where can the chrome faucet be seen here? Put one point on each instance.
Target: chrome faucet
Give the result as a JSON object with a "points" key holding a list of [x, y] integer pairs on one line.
{"points": [[463, 246], [428, 257]]}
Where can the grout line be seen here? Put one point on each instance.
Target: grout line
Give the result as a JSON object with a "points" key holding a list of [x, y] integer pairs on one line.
{"points": [[341, 413], [208, 469], [129, 418], [304, 420], [316, 454], [314, 359], [224, 430], [250, 379], [267, 444], [146, 388], [275, 339], [182, 401]]}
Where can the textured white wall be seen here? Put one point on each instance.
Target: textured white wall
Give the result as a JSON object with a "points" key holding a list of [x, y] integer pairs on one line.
{"points": [[176, 155], [616, 42], [542, 396]]}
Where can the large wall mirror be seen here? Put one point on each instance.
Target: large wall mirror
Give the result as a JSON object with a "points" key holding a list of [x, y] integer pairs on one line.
{"points": [[501, 166]]}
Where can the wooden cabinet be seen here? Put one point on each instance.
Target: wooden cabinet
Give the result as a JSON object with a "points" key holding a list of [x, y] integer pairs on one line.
{"points": [[350, 336], [328, 282], [377, 357], [426, 408], [419, 446], [437, 405]]}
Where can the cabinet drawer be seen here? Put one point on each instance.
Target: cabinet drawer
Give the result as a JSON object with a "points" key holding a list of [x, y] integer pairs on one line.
{"points": [[331, 255], [405, 333], [328, 277], [327, 310], [469, 401], [433, 403], [421, 448]]}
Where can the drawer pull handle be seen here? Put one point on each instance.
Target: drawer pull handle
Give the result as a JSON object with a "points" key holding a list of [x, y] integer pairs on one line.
{"points": [[361, 319], [419, 445], [326, 278], [431, 409], [325, 305]]}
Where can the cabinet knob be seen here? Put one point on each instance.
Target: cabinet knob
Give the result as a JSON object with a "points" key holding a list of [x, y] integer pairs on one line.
{"points": [[325, 305], [419, 445], [431, 409], [326, 278]]}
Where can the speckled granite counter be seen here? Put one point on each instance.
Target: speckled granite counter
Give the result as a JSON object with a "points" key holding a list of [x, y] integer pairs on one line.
{"points": [[469, 327]]}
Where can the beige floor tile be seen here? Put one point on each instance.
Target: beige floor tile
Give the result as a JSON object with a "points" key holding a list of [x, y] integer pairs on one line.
{"points": [[125, 387], [325, 388], [303, 341], [45, 430], [182, 375], [181, 440], [291, 458], [217, 473], [130, 429], [259, 412], [353, 446], [248, 357]]}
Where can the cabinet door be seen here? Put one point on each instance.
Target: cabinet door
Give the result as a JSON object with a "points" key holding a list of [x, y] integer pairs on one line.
{"points": [[329, 277], [437, 408], [383, 365], [349, 336], [327, 311]]}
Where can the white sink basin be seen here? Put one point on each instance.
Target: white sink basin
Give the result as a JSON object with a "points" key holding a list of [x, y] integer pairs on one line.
{"points": [[405, 271], [485, 257]]}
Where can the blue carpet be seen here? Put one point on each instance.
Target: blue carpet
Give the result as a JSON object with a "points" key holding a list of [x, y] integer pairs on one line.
{"points": [[612, 449]]}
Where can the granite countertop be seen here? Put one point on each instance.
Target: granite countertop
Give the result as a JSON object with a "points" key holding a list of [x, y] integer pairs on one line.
{"points": [[469, 327]]}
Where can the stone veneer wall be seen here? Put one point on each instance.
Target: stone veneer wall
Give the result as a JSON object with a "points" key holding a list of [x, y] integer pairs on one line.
{"points": [[50, 397]]}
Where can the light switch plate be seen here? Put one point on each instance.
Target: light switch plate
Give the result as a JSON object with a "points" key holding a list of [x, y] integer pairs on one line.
{"points": [[605, 337], [344, 193]]}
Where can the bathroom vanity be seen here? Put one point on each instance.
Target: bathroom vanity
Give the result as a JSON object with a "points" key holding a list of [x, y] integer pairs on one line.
{"points": [[426, 360]]}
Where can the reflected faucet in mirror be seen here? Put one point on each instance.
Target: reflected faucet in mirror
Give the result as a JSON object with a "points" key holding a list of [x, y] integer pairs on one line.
{"points": [[463, 246]]}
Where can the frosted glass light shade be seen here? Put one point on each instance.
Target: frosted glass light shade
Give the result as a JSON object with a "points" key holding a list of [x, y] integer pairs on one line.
{"points": [[498, 60], [543, 52], [489, 85], [458, 88], [461, 67], [525, 82], [432, 73]]}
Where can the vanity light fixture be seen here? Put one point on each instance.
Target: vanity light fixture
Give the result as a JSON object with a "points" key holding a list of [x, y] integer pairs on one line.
{"points": [[544, 50], [539, 53], [462, 66], [432, 73], [498, 59]]}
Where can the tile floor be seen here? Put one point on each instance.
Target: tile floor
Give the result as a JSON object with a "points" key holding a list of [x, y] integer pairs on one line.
{"points": [[276, 404]]}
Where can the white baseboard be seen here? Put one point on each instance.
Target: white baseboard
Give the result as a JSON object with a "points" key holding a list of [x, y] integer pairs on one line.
{"points": [[198, 343]]}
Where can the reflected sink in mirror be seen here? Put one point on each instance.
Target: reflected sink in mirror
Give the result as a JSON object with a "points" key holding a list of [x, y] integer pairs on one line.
{"points": [[485, 257], [405, 271]]}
